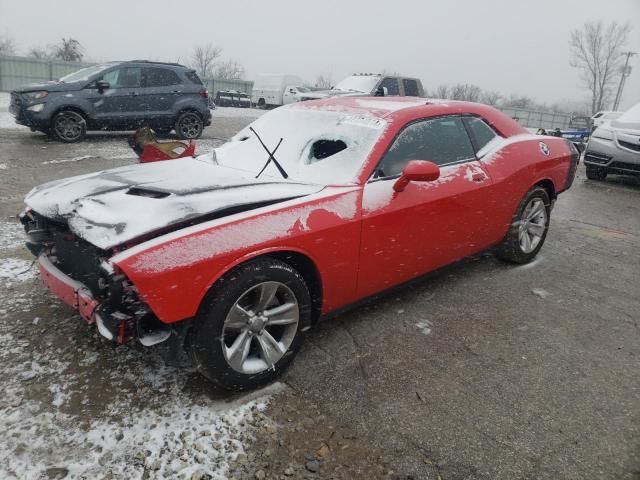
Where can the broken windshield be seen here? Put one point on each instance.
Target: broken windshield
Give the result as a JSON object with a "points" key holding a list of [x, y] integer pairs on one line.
{"points": [[317, 146]]}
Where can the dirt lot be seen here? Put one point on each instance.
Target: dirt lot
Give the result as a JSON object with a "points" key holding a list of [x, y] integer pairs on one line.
{"points": [[482, 371]]}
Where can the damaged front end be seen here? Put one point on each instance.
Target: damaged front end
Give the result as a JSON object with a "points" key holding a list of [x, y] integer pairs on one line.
{"points": [[80, 275]]}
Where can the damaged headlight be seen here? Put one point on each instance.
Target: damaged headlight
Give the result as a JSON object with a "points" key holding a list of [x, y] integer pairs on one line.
{"points": [[36, 95], [36, 108]]}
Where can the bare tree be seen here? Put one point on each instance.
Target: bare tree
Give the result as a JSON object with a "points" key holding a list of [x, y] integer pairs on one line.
{"points": [[41, 53], [596, 50], [516, 101], [466, 91], [68, 50], [324, 81], [7, 45], [204, 59], [229, 70], [442, 91], [491, 97]]}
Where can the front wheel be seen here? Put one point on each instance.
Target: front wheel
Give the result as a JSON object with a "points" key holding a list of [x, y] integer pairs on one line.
{"points": [[68, 126], [529, 228], [251, 325], [189, 125]]}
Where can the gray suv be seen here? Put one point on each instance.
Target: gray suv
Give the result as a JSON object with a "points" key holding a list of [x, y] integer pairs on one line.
{"points": [[116, 96], [614, 147]]}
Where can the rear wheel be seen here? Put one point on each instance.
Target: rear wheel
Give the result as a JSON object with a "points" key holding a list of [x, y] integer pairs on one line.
{"points": [[251, 325], [596, 173], [68, 126], [529, 228], [189, 125]]}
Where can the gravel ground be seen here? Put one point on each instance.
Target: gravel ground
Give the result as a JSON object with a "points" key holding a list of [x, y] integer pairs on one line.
{"points": [[480, 371]]}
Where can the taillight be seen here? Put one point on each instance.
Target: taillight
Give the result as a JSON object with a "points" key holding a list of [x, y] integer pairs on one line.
{"points": [[204, 93]]}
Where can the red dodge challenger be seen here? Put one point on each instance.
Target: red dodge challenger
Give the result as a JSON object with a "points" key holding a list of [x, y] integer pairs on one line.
{"points": [[232, 256]]}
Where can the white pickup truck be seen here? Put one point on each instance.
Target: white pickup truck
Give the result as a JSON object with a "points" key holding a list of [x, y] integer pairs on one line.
{"points": [[371, 84], [273, 90]]}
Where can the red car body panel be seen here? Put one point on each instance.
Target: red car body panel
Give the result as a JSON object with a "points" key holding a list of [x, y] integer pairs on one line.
{"points": [[366, 237]]}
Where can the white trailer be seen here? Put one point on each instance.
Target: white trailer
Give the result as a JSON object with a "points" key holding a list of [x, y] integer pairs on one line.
{"points": [[273, 90]]}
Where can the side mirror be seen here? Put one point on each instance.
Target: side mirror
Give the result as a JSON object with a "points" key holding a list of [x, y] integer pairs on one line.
{"points": [[291, 90], [102, 85], [417, 171], [382, 92]]}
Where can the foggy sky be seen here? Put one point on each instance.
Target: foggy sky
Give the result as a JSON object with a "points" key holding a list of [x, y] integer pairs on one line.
{"points": [[512, 46]]}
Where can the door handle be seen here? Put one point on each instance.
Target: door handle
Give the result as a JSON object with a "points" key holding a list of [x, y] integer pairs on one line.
{"points": [[478, 177], [133, 94]]}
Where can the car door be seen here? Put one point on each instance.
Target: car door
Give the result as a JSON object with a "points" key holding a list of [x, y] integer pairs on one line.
{"points": [[429, 224], [160, 87], [122, 104]]}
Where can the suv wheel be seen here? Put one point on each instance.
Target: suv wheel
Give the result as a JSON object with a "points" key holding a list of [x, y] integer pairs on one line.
{"points": [[596, 173], [189, 125], [68, 126]]}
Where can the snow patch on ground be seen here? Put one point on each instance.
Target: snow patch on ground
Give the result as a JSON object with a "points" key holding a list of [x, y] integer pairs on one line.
{"points": [[70, 160], [153, 430], [11, 235], [16, 269], [424, 327], [237, 112], [540, 292]]}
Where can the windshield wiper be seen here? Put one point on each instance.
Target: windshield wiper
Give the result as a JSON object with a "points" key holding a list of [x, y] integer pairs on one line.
{"points": [[271, 157]]}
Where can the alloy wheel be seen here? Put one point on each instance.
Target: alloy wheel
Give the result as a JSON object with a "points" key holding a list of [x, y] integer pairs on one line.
{"points": [[532, 225], [260, 327], [190, 126], [68, 126]]}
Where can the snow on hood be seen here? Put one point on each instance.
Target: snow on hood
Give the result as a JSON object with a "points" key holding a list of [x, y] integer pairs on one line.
{"points": [[114, 206]]}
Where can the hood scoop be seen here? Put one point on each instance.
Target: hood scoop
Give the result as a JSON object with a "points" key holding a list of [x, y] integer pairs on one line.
{"points": [[147, 192]]}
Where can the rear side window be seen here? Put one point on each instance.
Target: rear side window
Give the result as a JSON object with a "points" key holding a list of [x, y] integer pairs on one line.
{"points": [[410, 87], [481, 133], [392, 85], [193, 77], [160, 77], [443, 141]]}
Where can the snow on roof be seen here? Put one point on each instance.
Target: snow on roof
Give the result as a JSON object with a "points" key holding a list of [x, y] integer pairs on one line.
{"points": [[367, 106]]}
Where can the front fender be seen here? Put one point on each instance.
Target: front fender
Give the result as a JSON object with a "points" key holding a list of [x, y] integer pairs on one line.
{"points": [[173, 273]]}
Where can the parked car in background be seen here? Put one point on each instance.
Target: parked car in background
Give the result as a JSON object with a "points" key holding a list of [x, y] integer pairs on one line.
{"points": [[233, 98], [602, 117], [614, 147], [235, 254], [273, 90], [371, 84], [116, 96]]}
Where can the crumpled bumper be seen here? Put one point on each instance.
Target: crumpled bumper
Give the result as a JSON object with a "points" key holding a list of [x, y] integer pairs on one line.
{"points": [[70, 291]]}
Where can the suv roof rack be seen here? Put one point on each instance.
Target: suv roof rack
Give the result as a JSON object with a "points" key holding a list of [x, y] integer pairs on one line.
{"points": [[158, 63]]}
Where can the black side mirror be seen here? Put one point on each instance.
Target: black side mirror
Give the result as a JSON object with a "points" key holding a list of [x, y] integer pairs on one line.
{"points": [[102, 85]]}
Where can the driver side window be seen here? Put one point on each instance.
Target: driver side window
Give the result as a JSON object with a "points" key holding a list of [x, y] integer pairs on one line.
{"points": [[443, 141], [127, 77]]}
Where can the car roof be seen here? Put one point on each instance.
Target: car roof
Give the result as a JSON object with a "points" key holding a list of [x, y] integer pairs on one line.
{"points": [[369, 106], [406, 109], [150, 62]]}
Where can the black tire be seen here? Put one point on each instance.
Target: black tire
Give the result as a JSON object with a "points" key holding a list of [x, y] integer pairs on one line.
{"points": [[207, 343], [189, 125], [596, 173], [511, 249], [68, 126]]}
